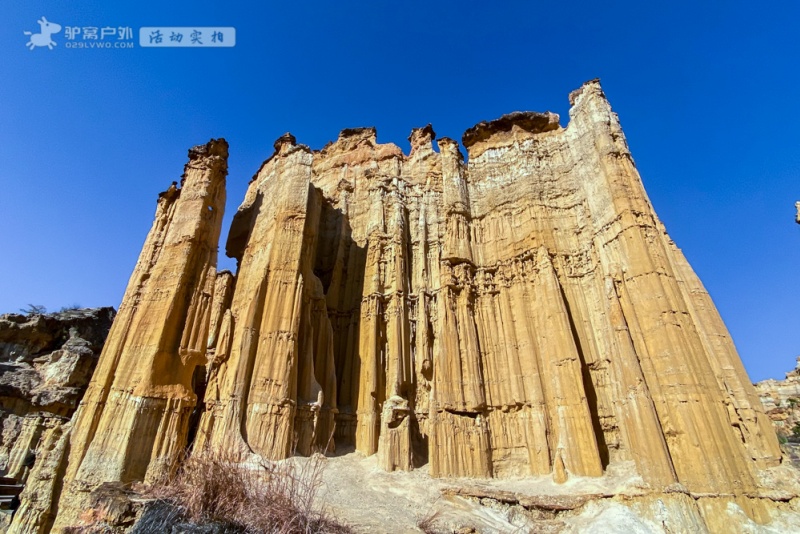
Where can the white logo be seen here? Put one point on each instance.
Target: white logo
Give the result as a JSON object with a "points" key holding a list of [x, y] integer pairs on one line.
{"points": [[43, 37]]}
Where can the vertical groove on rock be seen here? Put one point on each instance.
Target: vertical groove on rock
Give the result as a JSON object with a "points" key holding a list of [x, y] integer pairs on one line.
{"points": [[588, 386], [744, 409], [641, 427], [37, 514]]}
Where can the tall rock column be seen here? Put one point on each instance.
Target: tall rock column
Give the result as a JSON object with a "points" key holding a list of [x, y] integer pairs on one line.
{"points": [[683, 367], [371, 389], [274, 388], [134, 417], [573, 444], [395, 448], [459, 442]]}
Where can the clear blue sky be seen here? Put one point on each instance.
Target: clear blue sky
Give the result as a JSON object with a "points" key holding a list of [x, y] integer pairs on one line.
{"points": [[708, 98]]}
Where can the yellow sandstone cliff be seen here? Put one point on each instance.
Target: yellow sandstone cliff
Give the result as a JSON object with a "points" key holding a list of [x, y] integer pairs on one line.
{"points": [[518, 312], [134, 417]]}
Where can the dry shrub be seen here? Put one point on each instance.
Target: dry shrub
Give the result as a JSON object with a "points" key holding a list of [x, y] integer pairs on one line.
{"points": [[274, 498], [428, 523]]}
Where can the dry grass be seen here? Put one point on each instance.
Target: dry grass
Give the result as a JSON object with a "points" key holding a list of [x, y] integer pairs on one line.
{"points": [[427, 523], [210, 489]]}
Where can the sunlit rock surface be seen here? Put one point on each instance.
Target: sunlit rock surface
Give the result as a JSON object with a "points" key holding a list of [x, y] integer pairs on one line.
{"points": [[515, 311]]}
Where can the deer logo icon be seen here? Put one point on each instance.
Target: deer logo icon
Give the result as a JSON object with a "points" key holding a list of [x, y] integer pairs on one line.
{"points": [[43, 37]]}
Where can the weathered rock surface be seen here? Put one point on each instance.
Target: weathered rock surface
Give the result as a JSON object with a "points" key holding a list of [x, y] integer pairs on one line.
{"points": [[521, 313], [47, 359], [369, 499], [46, 362], [781, 401]]}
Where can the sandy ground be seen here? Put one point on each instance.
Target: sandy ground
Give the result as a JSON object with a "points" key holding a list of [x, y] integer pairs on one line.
{"points": [[358, 492], [369, 499]]}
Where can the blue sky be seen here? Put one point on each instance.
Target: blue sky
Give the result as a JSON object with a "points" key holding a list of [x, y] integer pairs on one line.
{"points": [[707, 97]]}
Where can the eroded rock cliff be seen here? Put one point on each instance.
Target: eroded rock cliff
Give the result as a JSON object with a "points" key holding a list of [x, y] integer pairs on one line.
{"points": [[520, 312], [46, 362], [134, 418], [781, 401], [524, 312]]}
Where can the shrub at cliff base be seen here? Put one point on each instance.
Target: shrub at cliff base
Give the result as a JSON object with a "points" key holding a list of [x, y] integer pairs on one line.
{"points": [[212, 491]]}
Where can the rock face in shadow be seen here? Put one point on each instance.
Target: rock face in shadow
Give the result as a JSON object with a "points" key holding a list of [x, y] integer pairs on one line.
{"points": [[47, 359], [520, 313], [46, 362]]}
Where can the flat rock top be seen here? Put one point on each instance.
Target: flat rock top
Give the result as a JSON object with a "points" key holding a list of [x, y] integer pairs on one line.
{"points": [[531, 121]]}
